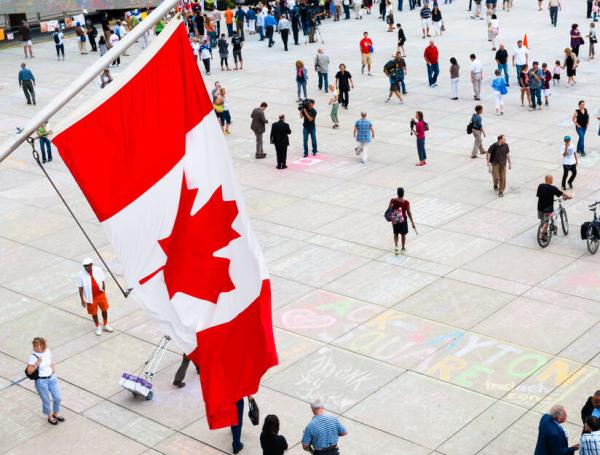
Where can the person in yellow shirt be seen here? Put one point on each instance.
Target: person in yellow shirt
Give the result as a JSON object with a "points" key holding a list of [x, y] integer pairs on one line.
{"points": [[42, 134]]}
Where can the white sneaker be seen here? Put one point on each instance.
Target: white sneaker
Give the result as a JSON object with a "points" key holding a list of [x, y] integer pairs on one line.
{"points": [[108, 328], [396, 251], [98, 330]]}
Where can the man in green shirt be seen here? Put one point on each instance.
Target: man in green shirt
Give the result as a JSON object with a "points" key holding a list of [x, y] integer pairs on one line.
{"points": [[45, 146]]}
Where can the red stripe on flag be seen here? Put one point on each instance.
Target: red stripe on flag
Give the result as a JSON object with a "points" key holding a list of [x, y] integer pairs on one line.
{"points": [[133, 139], [232, 358]]}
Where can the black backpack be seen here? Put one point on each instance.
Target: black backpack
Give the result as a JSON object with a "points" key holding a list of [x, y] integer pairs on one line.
{"points": [[56, 38], [35, 374], [595, 230], [390, 68]]}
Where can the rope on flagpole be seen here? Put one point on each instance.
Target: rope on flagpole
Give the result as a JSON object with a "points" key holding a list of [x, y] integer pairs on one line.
{"points": [[36, 157]]}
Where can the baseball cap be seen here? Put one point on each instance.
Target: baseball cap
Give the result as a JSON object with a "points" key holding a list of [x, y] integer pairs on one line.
{"points": [[87, 261], [567, 138]]}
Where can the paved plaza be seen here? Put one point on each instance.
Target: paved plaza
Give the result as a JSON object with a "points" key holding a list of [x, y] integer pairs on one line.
{"points": [[457, 347]]}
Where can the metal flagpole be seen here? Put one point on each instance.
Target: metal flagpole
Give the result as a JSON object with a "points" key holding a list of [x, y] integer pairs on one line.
{"points": [[87, 76]]}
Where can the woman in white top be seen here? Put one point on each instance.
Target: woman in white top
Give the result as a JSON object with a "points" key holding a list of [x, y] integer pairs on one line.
{"points": [[569, 162], [114, 40], [46, 383], [494, 30]]}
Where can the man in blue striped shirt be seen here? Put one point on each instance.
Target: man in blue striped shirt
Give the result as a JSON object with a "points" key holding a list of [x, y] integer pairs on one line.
{"points": [[322, 433], [590, 442], [426, 19]]}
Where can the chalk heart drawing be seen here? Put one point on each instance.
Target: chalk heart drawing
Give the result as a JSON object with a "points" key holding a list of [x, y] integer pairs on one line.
{"points": [[303, 318]]}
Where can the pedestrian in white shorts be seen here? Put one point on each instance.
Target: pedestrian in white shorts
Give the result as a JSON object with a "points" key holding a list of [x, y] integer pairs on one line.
{"points": [[499, 87]]}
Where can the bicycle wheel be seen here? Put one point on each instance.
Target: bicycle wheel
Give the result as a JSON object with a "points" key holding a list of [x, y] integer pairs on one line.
{"points": [[564, 221], [592, 241], [544, 241]]}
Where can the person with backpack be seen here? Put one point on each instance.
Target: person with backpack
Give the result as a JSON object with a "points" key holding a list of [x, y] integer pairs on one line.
{"points": [[399, 213], [40, 368], [476, 128], [395, 70], [59, 44], [92, 33], [80, 32]]}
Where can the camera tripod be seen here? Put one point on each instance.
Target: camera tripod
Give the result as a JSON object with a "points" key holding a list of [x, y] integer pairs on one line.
{"points": [[311, 34], [315, 29]]}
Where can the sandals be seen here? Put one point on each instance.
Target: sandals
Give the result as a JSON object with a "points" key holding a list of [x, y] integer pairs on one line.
{"points": [[54, 420]]}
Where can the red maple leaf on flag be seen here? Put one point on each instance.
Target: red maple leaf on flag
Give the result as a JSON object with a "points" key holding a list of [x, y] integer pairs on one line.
{"points": [[191, 267]]}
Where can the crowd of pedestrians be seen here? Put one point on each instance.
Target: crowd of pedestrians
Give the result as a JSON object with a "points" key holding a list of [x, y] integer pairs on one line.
{"points": [[226, 32]]}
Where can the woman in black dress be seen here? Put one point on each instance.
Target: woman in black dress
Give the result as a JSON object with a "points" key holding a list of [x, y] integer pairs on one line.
{"points": [[571, 66], [343, 81], [271, 442]]}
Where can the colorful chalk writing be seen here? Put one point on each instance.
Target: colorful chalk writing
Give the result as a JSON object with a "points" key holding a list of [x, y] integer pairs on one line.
{"points": [[324, 315], [463, 358]]}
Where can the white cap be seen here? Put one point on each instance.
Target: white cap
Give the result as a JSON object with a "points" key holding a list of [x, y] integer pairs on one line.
{"points": [[87, 261]]}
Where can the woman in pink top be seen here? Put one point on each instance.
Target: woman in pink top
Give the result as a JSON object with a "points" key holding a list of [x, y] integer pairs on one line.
{"points": [[418, 128]]}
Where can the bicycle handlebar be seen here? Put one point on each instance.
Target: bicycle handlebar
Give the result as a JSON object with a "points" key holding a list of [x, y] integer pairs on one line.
{"points": [[594, 204]]}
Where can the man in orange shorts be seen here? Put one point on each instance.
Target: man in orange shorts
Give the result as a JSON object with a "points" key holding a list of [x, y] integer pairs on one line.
{"points": [[90, 282]]}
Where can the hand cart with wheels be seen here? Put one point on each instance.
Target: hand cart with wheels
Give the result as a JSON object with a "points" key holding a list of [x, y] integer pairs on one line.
{"points": [[141, 386]]}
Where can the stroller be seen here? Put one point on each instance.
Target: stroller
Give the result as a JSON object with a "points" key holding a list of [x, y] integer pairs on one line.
{"points": [[142, 385]]}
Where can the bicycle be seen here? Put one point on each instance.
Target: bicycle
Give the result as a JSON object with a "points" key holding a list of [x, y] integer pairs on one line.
{"points": [[592, 236], [552, 229]]}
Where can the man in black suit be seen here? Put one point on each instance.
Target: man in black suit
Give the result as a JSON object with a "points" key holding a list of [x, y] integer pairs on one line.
{"points": [[279, 138]]}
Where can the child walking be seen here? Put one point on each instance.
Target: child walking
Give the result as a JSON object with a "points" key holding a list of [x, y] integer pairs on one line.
{"points": [[593, 40], [556, 73], [546, 82]]}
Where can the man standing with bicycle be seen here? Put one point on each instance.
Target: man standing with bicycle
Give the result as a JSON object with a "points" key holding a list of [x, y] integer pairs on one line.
{"points": [[498, 155], [546, 192]]}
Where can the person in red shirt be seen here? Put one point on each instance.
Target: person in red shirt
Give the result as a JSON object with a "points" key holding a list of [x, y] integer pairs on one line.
{"points": [[400, 214], [418, 128], [431, 55], [366, 49]]}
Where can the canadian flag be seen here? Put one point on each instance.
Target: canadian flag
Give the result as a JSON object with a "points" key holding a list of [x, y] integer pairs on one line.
{"points": [[150, 157]]}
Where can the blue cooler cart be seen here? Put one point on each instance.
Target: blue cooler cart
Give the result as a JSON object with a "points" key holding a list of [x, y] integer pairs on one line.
{"points": [[141, 386]]}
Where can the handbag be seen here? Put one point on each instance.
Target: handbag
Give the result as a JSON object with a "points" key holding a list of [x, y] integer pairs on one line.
{"points": [[388, 214], [253, 412], [470, 128], [35, 374], [443, 29]]}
